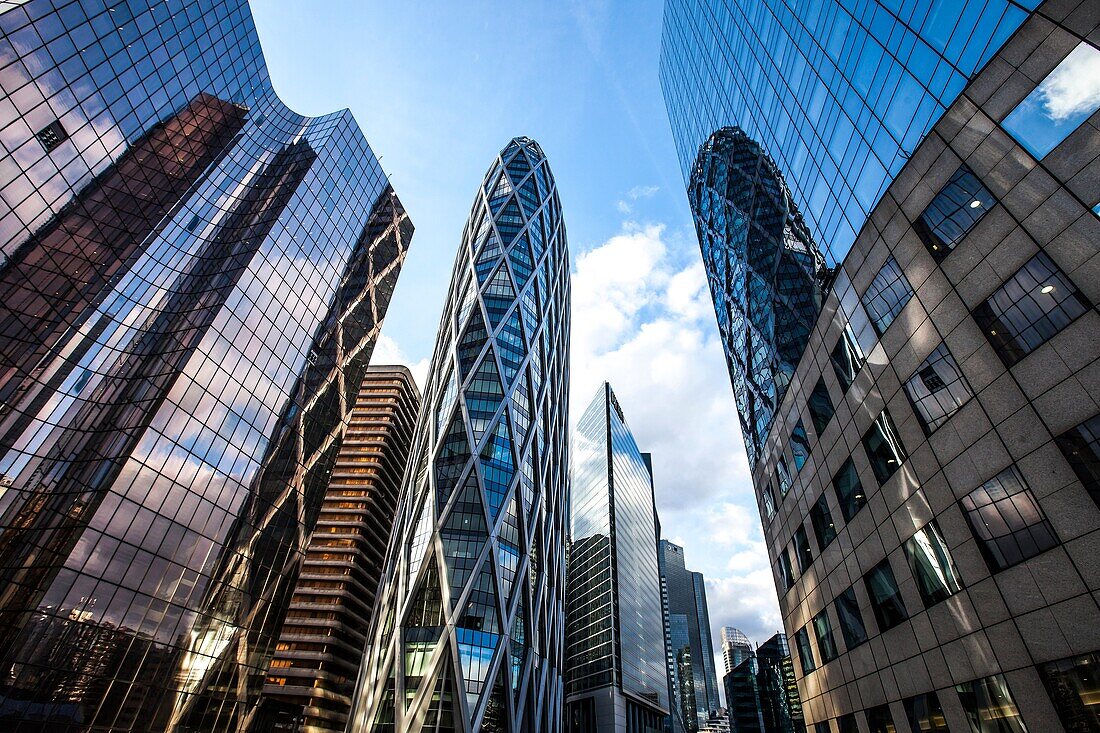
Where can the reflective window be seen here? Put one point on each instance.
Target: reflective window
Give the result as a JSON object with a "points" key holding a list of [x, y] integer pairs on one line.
{"points": [[847, 723], [802, 549], [1074, 688], [879, 720], [784, 475], [1031, 307], [805, 651], [937, 389], [821, 407], [885, 597], [769, 501], [800, 446], [786, 574], [955, 210], [1066, 98], [989, 706], [823, 630], [851, 620], [925, 714], [884, 448], [849, 491], [1081, 447], [52, 135], [932, 566], [1007, 521], [822, 727], [822, 520], [848, 357], [886, 295]]}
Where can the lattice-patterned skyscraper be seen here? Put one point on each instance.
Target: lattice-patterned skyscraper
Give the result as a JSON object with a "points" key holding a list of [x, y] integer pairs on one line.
{"points": [[468, 633]]}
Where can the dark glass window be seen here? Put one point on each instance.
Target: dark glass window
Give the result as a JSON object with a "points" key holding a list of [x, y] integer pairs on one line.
{"points": [[847, 723], [1074, 688], [821, 407], [955, 210], [885, 597], [822, 520], [886, 295], [1081, 447], [851, 620], [989, 706], [800, 446], [784, 475], [932, 566], [925, 714], [769, 501], [849, 491], [805, 652], [822, 727], [823, 630], [1033, 305], [786, 575], [52, 135], [802, 550], [937, 389], [884, 448], [879, 720], [848, 358], [1007, 521]]}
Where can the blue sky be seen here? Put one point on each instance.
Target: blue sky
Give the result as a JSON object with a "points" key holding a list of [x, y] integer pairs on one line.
{"points": [[439, 88]]}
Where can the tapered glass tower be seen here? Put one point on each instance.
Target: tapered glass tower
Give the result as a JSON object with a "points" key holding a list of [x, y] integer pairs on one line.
{"points": [[468, 631]]}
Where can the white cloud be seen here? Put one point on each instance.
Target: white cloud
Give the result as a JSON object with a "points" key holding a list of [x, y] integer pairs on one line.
{"points": [[1073, 87], [387, 351], [623, 207], [642, 192]]}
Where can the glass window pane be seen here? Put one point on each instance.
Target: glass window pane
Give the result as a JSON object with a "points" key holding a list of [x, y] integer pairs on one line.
{"points": [[822, 727], [932, 566], [805, 651], [937, 389], [849, 491], [800, 446], [879, 720], [822, 520], [886, 295], [851, 620], [802, 549], [1007, 521], [769, 501], [847, 723], [823, 630], [1031, 307], [786, 574], [884, 448], [821, 407], [784, 475], [848, 357], [1074, 688], [925, 714], [955, 210], [1081, 447], [885, 597], [989, 706]]}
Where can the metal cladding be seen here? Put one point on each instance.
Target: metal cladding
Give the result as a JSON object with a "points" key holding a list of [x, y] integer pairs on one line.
{"points": [[765, 273], [468, 632], [194, 277]]}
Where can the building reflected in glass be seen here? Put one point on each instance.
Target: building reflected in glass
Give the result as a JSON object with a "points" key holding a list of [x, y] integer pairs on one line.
{"points": [[615, 673], [194, 279]]}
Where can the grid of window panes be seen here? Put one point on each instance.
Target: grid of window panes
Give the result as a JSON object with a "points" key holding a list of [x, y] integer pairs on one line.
{"points": [[937, 389], [193, 276], [1081, 447], [954, 211], [1007, 521], [887, 295], [839, 93]]}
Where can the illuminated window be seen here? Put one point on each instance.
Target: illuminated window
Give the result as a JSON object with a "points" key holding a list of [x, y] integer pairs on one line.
{"points": [[1074, 688], [802, 551], [989, 706], [955, 210], [849, 490], [925, 714], [822, 520], [1007, 521]]}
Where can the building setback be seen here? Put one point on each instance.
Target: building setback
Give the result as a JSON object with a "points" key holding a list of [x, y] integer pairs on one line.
{"points": [[194, 277], [615, 673], [468, 631], [320, 647]]}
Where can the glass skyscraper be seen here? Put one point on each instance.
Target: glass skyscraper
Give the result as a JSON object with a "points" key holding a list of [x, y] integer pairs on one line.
{"points": [[468, 630], [839, 92], [193, 279], [615, 673]]}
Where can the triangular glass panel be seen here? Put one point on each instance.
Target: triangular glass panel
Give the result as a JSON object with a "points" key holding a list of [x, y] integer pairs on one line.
{"points": [[426, 610], [536, 235], [487, 258], [478, 635], [464, 536], [508, 544], [510, 347], [521, 410], [440, 715], [529, 198], [473, 338], [519, 642], [522, 267], [446, 401], [518, 167], [500, 193], [541, 178], [509, 222], [497, 467], [495, 719], [453, 454], [484, 396], [499, 296]]}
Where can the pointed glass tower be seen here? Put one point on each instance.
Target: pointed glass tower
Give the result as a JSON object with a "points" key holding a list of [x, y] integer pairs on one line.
{"points": [[468, 631]]}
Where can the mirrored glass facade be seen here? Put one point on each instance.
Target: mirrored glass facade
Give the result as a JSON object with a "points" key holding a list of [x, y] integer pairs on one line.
{"points": [[194, 277], [468, 629], [614, 627]]}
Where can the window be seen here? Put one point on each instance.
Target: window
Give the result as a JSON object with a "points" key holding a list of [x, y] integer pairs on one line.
{"points": [[1049, 114], [885, 597], [887, 295], [847, 723], [1074, 688], [800, 446], [802, 550], [823, 630], [989, 706], [784, 477], [955, 210], [1081, 447], [52, 135], [848, 358], [805, 652], [849, 491], [851, 620], [769, 501], [786, 575], [879, 720], [822, 727], [1007, 521], [821, 407], [925, 714], [884, 449], [932, 566], [937, 389], [1031, 307], [822, 520]]}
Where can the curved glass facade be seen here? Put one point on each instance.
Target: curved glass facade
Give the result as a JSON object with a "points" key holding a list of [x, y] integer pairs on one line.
{"points": [[194, 278], [468, 631], [765, 273], [838, 92]]}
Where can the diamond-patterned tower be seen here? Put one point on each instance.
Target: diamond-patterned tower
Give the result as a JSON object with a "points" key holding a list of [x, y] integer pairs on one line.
{"points": [[468, 632]]}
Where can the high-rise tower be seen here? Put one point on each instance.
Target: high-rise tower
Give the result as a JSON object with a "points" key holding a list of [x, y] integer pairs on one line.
{"points": [[468, 631], [614, 637], [736, 648], [193, 279]]}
